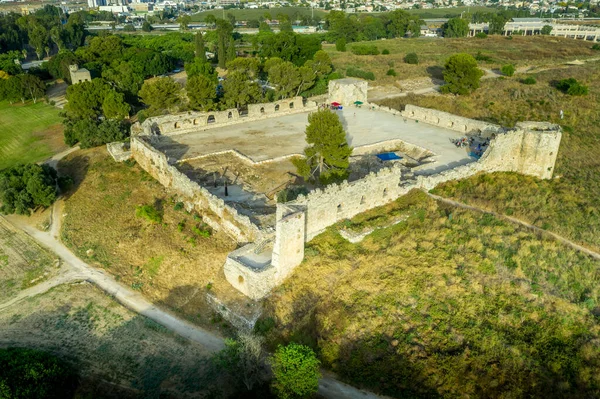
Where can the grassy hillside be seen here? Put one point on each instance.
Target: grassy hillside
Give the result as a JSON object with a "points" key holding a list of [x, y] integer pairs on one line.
{"points": [[247, 13], [433, 52], [29, 133], [569, 204], [448, 303]]}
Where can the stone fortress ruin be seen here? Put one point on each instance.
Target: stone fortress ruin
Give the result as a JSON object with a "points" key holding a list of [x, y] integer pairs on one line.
{"points": [[231, 166]]}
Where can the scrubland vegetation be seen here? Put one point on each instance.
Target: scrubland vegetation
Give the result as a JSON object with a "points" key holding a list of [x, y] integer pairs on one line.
{"points": [[569, 204], [444, 304]]}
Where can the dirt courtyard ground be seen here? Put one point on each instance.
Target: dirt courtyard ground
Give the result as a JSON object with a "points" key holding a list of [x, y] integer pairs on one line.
{"points": [[276, 137]]}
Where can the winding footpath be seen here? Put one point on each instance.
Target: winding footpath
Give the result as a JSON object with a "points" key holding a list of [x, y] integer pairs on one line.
{"points": [[559, 238]]}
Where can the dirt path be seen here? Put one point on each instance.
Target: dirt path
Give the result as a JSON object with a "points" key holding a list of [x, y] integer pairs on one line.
{"points": [[557, 237]]}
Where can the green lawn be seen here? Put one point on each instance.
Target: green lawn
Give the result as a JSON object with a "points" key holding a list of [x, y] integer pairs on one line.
{"points": [[27, 132]]}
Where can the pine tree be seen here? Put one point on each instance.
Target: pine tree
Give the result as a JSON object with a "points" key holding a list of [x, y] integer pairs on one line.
{"points": [[231, 53], [326, 157], [200, 50]]}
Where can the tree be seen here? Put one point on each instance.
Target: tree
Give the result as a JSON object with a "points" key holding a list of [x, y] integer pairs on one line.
{"points": [[90, 100], [497, 23], [295, 371], [546, 29], [286, 78], [128, 28], [202, 92], [411, 58], [125, 77], [184, 21], [114, 106], [27, 187], [29, 373], [461, 74], [147, 27], [38, 38], [248, 66], [58, 66], [199, 45], [239, 91], [456, 27], [32, 87], [340, 44], [161, 95], [244, 358], [200, 67], [224, 31], [326, 157]]}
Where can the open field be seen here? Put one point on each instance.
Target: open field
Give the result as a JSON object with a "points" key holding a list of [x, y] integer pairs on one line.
{"points": [[23, 262], [117, 353], [569, 204], [169, 262], [433, 52], [447, 303], [248, 13], [29, 133]]}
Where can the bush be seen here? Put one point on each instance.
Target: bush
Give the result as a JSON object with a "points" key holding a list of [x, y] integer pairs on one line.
{"points": [[178, 206], [508, 70], [481, 57], [27, 187], [596, 46], [411, 58], [340, 45], [28, 373], [202, 230], [391, 72], [295, 371], [149, 213], [572, 87], [461, 74], [385, 51], [359, 73], [481, 35], [364, 49], [529, 81]]}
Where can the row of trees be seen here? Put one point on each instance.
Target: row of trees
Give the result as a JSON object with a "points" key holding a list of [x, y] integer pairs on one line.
{"points": [[21, 87], [352, 27]]}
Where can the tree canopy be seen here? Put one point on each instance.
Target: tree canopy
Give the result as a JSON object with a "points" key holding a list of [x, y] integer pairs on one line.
{"points": [[461, 74], [27, 187], [327, 155], [456, 27], [295, 371]]}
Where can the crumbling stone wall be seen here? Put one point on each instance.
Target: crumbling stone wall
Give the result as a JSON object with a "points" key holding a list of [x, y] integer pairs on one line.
{"points": [[192, 121], [195, 196]]}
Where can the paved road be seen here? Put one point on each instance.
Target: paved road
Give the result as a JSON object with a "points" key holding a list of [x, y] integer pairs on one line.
{"points": [[557, 237]]}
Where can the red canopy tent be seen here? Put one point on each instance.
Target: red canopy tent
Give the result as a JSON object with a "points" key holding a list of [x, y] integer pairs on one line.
{"points": [[335, 104]]}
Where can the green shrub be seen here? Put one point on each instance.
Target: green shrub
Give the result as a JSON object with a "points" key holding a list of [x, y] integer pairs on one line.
{"points": [[596, 46], [391, 72], [365, 49], [529, 81], [411, 58], [295, 371], [291, 193], [178, 206], [29, 373], [264, 326], [202, 230], [481, 57], [181, 225], [572, 87], [340, 45], [359, 73], [481, 35], [149, 213], [385, 51], [508, 70]]}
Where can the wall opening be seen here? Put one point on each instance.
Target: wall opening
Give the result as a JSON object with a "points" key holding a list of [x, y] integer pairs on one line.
{"points": [[262, 110], [362, 200], [240, 280], [339, 208], [385, 192], [177, 125], [291, 105], [195, 122], [211, 119], [277, 107], [229, 115]]}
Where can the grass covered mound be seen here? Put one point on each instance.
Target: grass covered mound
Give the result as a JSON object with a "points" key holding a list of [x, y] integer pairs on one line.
{"points": [[446, 303], [569, 204]]}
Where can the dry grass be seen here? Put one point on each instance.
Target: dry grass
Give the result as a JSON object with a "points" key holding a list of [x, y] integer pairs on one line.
{"points": [[433, 52], [568, 204], [448, 303], [169, 266], [116, 352], [23, 263]]}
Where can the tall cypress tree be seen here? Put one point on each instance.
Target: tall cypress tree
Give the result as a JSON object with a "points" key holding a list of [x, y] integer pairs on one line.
{"points": [[231, 53], [200, 50], [327, 156]]}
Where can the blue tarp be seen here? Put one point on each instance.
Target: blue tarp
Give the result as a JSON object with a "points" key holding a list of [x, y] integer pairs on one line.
{"points": [[388, 156]]}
